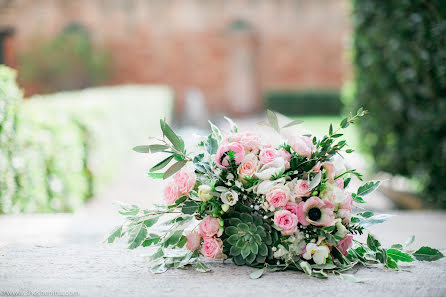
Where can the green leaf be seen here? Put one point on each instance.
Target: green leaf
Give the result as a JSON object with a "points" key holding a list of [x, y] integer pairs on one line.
{"points": [[367, 188], [151, 239], [189, 207], [161, 164], [305, 267], [344, 123], [156, 175], [216, 132], [116, 233], [245, 252], [375, 219], [174, 168], [173, 238], [426, 253], [391, 263], [201, 267], [397, 246], [398, 255], [233, 126], [315, 181], [257, 273], [137, 236], [350, 278], [141, 149], [373, 243], [152, 221], [211, 145], [409, 241], [176, 140], [272, 120], [330, 130], [293, 123], [159, 268]]}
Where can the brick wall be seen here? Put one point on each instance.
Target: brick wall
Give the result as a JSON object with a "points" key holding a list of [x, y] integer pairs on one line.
{"points": [[231, 50]]}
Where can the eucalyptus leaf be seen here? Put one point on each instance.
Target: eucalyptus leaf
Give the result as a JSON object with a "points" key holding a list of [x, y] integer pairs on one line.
{"points": [[174, 168], [272, 120], [176, 140], [161, 164], [156, 175]]}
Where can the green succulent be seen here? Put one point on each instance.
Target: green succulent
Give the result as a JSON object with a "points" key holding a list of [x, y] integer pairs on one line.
{"points": [[247, 239]]}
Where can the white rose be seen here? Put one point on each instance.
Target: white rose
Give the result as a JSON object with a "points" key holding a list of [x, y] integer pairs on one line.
{"points": [[270, 169], [266, 185], [204, 192], [230, 198]]}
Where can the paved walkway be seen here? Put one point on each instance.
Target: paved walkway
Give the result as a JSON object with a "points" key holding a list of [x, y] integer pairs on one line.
{"points": [[43, 254]]}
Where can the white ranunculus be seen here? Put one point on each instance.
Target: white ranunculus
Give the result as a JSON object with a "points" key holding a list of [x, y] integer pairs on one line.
{"points": [[230, 198], [204, 192], [318, 253], [270, 169], [266, 185]]}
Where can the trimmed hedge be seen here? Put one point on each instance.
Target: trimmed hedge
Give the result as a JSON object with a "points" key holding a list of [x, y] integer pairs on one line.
{"points": [[69, 145], [297, 102], [400, 77]]}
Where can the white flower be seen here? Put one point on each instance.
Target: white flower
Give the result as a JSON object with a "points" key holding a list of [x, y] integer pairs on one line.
{"points": [[341, 231], [333, 193], [318, 253], [266, 185], [230, 198], [339, 164], [271, 168], [204, 192]]}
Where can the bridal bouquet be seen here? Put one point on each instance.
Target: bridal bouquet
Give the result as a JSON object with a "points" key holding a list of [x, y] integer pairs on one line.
{"points": [[269, 206]]}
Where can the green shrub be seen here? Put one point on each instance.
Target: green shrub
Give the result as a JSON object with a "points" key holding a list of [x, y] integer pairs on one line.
{"points": [[68, 146], [68, 61], [295, 102], [10, 98], [400, 77]]}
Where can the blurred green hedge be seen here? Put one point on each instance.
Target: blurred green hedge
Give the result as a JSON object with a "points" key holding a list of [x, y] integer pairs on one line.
{"points": [[69, 145], [300, 102], [399, 60]]}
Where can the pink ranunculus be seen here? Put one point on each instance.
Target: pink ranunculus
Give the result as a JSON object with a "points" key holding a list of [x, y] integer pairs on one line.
{"points": [[267, 155], [302, 145], [331, 170], [171, 193], [292, 207], [278, 196], [302, 189], [185, 180], [316, 211], [250, 141], [222, 157], [286, 220], [210, 226], [212, 247], [317, 167], [249, 166], [193, 241], [345, 244]]}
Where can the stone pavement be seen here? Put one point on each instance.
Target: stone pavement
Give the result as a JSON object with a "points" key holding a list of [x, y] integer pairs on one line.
{"points": [[65, 253]]}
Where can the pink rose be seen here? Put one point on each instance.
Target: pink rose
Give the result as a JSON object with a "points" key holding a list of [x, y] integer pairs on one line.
{"points": [[286, 220], [278, 196], [331, 170], [286, 156], [340, 183], [302, 188], [212, 247], [222, 157], [185, 180], [316, 211], [292, 207], [248, 166], [345, 244], [302, 145], [249, 141], [210, 226], [193, 241], [267, 155], [171, 193]]}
